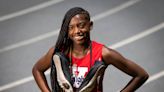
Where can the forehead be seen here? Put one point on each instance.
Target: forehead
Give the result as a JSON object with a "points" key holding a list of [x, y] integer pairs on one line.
{"points": [[78, 18]]}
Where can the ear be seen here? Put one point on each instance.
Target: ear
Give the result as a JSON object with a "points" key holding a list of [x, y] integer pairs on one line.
{"points": [[91, 25]]}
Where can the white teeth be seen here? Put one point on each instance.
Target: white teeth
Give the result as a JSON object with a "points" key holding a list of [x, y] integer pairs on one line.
{"points": [[79, 37]]}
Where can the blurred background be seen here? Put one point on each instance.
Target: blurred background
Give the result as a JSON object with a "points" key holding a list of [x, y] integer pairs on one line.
{"points": [[28, 28]]}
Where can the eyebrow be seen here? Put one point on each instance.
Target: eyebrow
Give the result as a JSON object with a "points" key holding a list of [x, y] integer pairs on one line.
{"points": [[82, 21]]}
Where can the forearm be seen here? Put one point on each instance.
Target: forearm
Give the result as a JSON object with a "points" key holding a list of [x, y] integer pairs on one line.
{"points": [[41, 80], [134, 84]]}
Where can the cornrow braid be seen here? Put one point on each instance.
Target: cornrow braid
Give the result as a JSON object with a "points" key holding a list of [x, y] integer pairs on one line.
{"points": [[63, 42]]}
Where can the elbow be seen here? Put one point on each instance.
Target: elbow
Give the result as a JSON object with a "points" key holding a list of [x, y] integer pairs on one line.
{"points": [[144, 76], [37, 70], [34, 70]]}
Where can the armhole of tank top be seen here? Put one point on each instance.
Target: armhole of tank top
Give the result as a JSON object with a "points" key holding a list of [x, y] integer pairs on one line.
{"points": [[101, 57]]}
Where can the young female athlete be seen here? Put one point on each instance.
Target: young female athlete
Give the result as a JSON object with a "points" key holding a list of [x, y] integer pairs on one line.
{"points": [[85, 60]]}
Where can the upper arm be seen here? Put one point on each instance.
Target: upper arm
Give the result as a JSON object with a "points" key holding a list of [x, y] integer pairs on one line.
{"points": [[45, 61], [114, 58]]}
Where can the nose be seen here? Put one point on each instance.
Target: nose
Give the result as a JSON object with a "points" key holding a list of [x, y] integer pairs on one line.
{"points": [[76, 30]]}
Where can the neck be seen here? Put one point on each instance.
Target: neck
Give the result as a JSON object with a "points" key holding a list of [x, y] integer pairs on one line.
{"points": [[80, 50]]}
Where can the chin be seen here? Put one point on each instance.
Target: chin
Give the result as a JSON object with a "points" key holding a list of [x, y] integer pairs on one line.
{"points": [[80, 42]]}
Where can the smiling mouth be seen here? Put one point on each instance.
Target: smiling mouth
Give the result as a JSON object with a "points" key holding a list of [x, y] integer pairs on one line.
{"points": [[80, 37]]}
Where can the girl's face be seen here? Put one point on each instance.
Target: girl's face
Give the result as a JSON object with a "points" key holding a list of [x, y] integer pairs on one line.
{"points": [[79, 29]]}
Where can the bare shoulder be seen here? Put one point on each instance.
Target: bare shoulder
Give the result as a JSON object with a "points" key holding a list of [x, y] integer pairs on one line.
{"points": [[44, 62], [51, 51], [48, 56], [105, 51], [108, 52], [110, 55]]}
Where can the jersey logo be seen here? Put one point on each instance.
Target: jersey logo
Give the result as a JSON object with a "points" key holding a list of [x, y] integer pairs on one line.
{"points": [[78, 75]]}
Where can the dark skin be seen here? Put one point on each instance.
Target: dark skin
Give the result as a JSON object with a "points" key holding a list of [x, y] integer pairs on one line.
{"points": [[79, 33]]}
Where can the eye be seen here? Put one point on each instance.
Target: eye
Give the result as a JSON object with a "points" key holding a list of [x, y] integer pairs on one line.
{"points": [[70, 28], [81, 25]]}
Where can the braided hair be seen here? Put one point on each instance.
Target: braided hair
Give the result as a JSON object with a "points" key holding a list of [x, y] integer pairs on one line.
{"points": [[63, 42]]}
